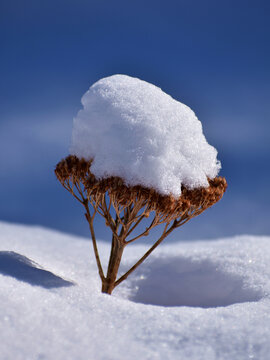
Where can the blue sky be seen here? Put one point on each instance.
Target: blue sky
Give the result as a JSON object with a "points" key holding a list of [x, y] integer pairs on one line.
{"points": [[213, 56]]}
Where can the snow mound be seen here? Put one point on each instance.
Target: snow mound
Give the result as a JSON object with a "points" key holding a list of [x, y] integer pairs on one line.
{"points": [[213, 297], [132, 129]]}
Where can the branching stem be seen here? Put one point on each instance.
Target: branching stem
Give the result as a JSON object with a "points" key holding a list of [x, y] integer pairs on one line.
{"points": [[141, 260]]}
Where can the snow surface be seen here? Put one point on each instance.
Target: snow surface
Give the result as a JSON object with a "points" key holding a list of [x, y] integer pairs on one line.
{"points": [[134, 130], [201, 300]]}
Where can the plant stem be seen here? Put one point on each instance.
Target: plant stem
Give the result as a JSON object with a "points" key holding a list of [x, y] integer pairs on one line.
{"points": [[108, 283], [163, 236], [90, 222]]}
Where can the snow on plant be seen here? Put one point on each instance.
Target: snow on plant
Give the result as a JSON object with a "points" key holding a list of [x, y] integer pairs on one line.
{"points": [[136, 151]]}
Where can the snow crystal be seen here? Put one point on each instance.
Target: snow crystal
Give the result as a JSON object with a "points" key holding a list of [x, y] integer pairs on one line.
{"points": [[132, 129]]}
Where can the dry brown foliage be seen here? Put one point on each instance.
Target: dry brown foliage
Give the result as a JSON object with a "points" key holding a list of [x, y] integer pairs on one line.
{"points": [[130, 205]]}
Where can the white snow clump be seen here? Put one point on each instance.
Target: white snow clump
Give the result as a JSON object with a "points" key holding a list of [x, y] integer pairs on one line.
{"points": [[132, 129]]}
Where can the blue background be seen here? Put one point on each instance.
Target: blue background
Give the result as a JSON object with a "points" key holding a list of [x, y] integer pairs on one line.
{"points": [[212, 55]]}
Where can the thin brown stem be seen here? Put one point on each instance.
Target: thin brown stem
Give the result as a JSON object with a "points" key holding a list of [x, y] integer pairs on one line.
{"points": [[141, 260], [135, 225], [145, 233], [90, 222]]}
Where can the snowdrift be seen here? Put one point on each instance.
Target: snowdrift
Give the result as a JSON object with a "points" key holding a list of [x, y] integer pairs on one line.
{"points": [[199, 300]]}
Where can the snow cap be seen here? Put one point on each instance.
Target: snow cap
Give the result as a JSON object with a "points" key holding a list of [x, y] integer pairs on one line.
{"points": [[132, 129]]}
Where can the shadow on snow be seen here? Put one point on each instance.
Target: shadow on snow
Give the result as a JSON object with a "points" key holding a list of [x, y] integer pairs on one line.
{"points": [[24, 269], [177, 281]]}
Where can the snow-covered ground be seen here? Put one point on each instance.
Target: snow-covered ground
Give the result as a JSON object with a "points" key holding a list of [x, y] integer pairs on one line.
{"points": [[199, 300]]}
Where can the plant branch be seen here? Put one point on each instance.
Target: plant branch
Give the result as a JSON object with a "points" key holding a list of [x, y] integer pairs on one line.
{"points": [[90, 222], [163, 236], [145, 233], [135, 225]]}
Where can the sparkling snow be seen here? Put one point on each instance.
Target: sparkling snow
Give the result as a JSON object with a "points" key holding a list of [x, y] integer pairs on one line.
{"points": [[200, 300], [134, 130]]}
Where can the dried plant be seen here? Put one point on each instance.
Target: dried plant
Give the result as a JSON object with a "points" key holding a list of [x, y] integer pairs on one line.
{"points": [[124, 207]]}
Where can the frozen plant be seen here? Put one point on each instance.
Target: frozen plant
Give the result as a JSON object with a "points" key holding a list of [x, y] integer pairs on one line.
{"points": [[130, 205], [138, 155]]}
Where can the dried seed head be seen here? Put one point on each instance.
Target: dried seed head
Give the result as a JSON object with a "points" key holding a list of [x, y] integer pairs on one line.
{"points": [[191, 201]]}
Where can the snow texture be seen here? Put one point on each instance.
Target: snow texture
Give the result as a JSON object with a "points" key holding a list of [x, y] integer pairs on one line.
{"points": [[132, 129], [200, 300]]}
